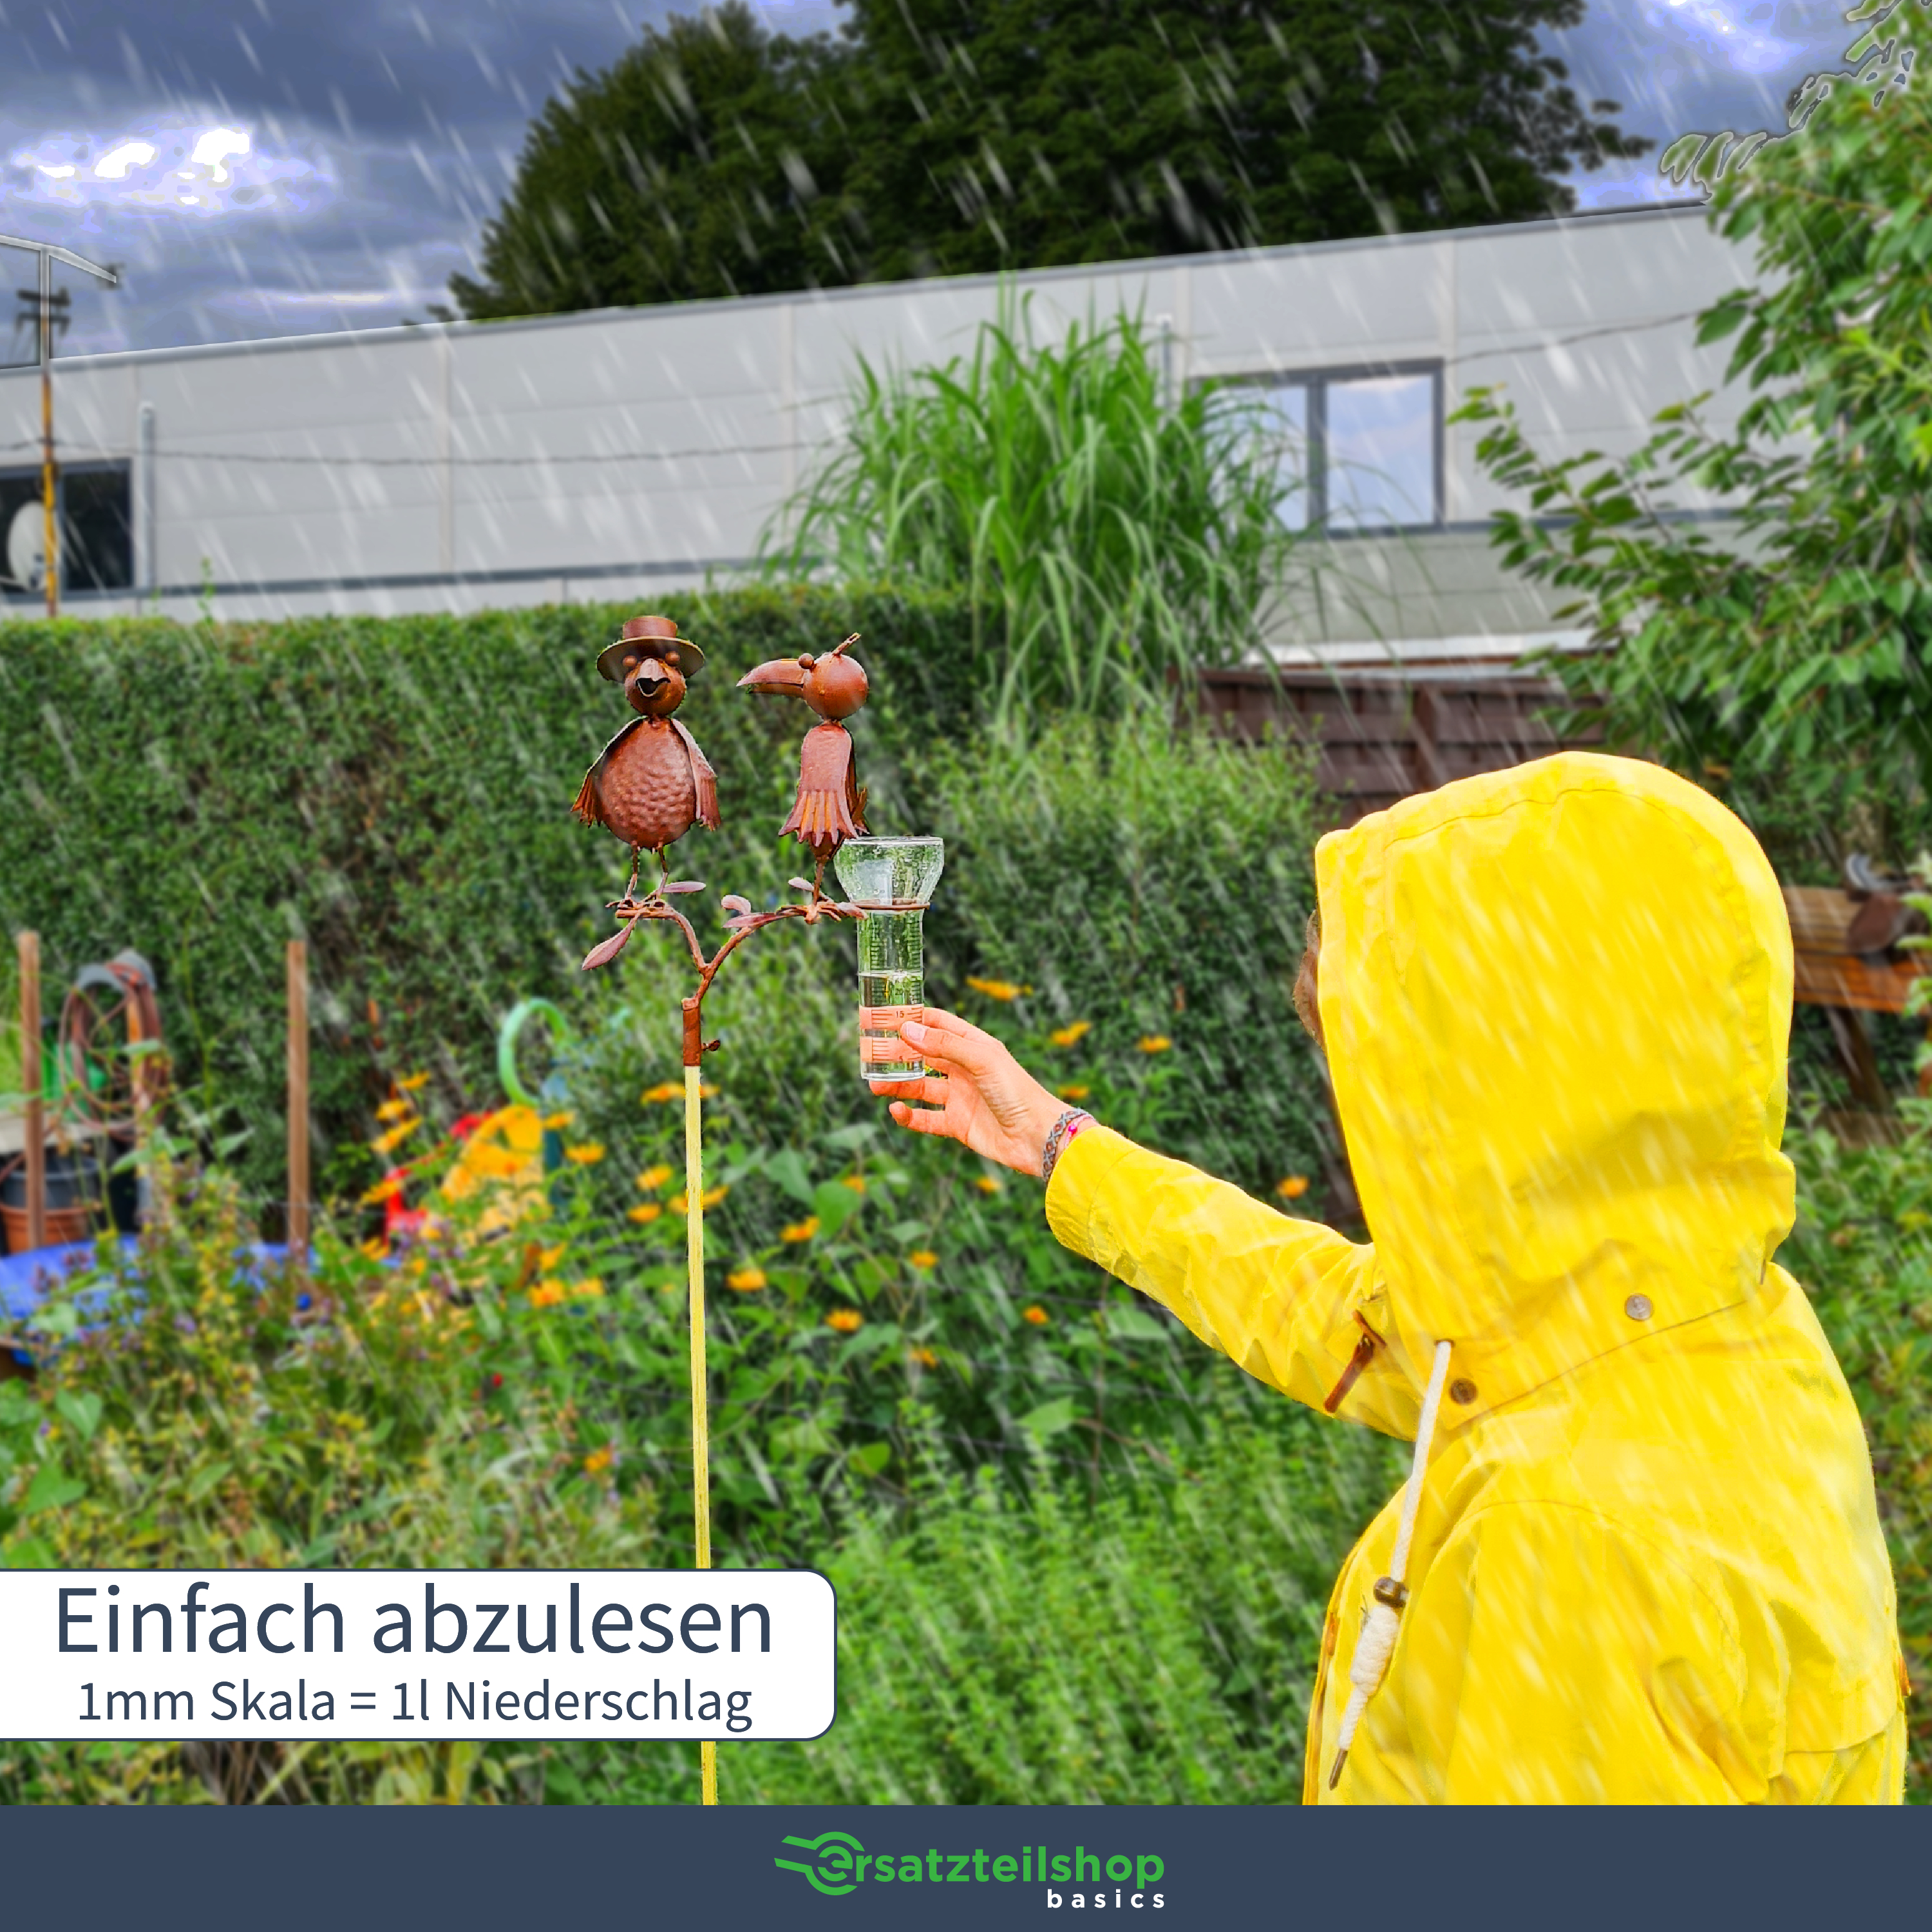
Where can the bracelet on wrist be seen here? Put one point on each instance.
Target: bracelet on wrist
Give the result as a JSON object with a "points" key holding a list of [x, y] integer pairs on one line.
{"points": [[1059, 1137]]}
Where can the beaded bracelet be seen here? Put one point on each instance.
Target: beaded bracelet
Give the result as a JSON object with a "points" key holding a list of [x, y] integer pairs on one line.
{"points": [[1061, 1137]]}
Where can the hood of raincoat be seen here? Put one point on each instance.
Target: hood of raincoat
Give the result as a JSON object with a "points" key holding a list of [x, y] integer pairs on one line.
{"points": [[1556, 1002]]}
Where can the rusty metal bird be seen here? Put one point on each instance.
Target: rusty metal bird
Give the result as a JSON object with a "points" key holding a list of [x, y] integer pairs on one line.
{"points": [[830, 807], [652, 784]]}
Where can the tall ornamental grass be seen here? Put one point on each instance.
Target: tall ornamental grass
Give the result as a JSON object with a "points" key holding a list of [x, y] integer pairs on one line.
{"points": [[1107, 532]]}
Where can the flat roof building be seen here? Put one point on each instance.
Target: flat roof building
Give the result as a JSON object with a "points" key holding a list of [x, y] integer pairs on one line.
{"points": [[627, 454]]}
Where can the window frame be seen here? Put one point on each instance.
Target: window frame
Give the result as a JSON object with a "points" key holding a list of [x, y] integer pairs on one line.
{"points": [[88, 468], [1315, 381]]}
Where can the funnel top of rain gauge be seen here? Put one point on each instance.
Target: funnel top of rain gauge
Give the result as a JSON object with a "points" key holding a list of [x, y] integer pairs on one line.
{"points": [[890, 875]]}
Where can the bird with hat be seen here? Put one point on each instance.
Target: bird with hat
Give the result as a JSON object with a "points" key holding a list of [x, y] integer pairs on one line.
{"points": [[652, 784]]}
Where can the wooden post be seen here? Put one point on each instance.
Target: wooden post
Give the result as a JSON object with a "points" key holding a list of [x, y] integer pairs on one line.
{"points": [[30, 1086], [298, 1180]]}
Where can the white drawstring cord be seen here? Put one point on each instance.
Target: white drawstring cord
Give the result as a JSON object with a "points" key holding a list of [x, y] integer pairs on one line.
{"points": [[1377, 1643]]}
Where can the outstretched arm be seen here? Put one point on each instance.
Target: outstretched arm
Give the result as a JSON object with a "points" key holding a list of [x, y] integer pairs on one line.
{"points": [[1277, 1295]]}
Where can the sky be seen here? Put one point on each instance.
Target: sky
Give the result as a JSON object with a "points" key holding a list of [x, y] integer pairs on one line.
{"points": [[279, 167]]}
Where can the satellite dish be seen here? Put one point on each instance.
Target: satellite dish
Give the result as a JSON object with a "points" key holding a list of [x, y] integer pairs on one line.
{"points": [[27, 546]]}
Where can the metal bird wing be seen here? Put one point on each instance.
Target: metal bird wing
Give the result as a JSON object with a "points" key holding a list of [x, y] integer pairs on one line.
{"points": [[828, 809], [705, 779], [588, 804]]}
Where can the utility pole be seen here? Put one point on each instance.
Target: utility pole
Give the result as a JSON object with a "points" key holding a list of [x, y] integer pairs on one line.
{"points": [[50, 307]]}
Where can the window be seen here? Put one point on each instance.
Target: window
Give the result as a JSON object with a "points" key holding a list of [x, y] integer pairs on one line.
{"points": [[96, 530], [1364, 447]]}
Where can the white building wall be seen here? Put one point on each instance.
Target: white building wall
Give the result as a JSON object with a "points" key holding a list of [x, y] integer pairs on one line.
{"points": [[626, 455]]}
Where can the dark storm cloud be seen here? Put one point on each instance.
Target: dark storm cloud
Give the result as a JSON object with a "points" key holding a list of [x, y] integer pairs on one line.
{"points": [[379, 134]]}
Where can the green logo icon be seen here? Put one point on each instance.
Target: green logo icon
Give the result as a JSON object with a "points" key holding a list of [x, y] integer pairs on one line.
{"points": [[833, 1870]]}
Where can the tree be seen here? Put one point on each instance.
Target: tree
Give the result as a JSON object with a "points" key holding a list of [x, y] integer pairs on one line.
{"points": [[1021, 133], [949, 136], [705, 162], [1791, 671]]}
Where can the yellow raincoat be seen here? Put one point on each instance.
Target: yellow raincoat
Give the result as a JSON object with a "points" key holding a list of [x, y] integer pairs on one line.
{"points": [[1647, 1567]]}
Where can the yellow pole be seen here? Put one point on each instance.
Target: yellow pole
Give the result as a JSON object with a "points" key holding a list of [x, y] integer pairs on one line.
{"points": [[700, 1426]]}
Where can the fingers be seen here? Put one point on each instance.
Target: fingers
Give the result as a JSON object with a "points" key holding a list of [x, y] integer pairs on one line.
{"points": [[934, 1092], [944, 1036], [922, 1119]]}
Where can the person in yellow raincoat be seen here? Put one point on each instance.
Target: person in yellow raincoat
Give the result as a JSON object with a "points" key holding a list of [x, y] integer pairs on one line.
{"points": [[1644, 1562]]}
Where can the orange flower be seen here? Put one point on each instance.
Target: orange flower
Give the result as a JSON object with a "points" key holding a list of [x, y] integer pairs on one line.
{"points": [[597, 1461], [856, 1182], [1071, 1035], [1154, 1043], [589, 1291], [653, 1178], [800, 1231], [667, 1090], [556, 1122], [588, 1155], [411, 1083], [395, 1110], [924, 1357], [1074, 1092], [995, 989], [680, 1202], [376, 1249], [986, 1184], [388, 1142], [546, 1293], [1292, 1187], [922, 1257], [847, 1320], [1036, 1315], [746, 1280], [387, 1188], [645, 1212]]}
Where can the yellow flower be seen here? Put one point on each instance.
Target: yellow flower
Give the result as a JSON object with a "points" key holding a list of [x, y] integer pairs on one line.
{"points": [[1292, 1186], [800, 1231], [856, 1182], [668, 1090], [995, 989], [412, 1083], [1071, 1035], [597, 1462], [1074, 1092], [395, 1110], [588, 1155], [388, 1142], [922, 1257], [377, 1250], [847, 1320], [705, 1093], [746, 1280], [556, 1122], [646, 1212], [1154, 1043], [546, 1294], [591, 1290], [387, 1188], [924, 1357], [680, 1203], [986, 1184], [653, 1178], [1036, 1315]]}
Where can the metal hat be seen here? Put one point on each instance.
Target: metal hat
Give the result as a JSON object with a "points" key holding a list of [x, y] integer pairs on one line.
{"points": [[650, 637]]}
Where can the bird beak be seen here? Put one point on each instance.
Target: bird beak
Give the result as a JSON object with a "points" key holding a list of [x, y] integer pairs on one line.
{"points": [[782, 677]]}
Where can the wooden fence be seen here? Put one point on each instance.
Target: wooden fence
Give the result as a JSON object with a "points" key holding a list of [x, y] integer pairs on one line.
{"points": [[1383, 733]]}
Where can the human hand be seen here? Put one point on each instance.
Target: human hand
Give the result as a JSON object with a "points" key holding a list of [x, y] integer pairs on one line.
{"points": [[975, 1092]]}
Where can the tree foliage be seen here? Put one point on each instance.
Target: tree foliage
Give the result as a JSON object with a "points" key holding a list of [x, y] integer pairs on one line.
{"points": [[714, 158], [1788, 664]]}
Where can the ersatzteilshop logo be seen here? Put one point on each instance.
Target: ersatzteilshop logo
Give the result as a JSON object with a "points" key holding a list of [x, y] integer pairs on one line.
{"points": [[835, 1863]]}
